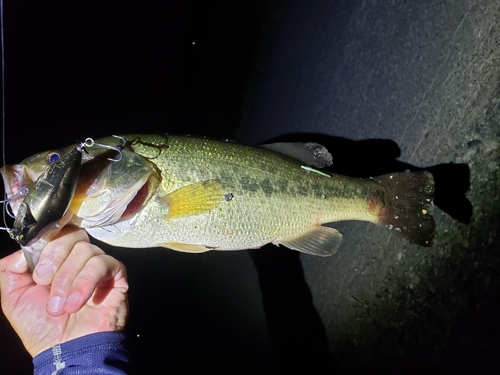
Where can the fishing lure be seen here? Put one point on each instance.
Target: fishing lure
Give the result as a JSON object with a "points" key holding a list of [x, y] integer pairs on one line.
{"points": [[46, 203], [49, 198]]}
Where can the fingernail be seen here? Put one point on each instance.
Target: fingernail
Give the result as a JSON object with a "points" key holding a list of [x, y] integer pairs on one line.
{"points": [[44, 270], [55, 304], [73, 299]]}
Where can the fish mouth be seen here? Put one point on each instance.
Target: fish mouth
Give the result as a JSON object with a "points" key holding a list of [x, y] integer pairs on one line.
{"points": [[106, 192], [110, 192], [17, 180], [135, 205]]}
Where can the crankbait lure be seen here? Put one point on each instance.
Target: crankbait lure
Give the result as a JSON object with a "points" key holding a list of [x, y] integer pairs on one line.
{"points": [[49, 198]]}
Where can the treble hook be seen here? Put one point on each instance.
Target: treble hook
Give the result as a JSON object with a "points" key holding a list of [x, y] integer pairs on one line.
{"points": [[89, 142], [23, 190]]}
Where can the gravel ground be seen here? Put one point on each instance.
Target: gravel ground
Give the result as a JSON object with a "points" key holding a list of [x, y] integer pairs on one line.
{"points": [[426, 76]]}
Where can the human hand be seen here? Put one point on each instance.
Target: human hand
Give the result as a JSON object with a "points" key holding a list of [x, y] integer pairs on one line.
{"points": [[75, 290]]}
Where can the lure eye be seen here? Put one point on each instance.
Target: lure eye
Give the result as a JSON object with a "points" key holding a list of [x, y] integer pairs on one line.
{"points": [[52, 157]]}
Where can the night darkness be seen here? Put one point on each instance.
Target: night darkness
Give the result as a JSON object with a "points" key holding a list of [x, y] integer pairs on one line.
{"points": [[89, 69], [386, 86], [79, 68]]}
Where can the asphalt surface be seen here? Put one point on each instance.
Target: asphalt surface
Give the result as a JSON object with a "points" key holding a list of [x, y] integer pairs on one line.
{"points": [[424, 75], [385, 86]]}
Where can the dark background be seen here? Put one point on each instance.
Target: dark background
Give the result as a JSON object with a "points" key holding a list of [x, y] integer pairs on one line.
{"points": [[91, 69], [74, 69], [373, 81]]}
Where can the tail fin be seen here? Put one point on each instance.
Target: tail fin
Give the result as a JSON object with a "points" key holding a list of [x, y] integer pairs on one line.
{"points": [[407, 197]]}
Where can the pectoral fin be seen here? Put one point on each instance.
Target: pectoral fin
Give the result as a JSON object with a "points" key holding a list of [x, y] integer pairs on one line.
{"points": [[193, 199], [186, 248], [322, 241]]}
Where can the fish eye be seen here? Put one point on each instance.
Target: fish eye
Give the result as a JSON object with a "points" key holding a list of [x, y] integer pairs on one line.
{"points": [[53, 156]]}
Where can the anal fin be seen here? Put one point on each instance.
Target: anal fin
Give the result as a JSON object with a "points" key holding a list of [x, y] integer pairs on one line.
{"points": [[322, 241], [186, 247]]}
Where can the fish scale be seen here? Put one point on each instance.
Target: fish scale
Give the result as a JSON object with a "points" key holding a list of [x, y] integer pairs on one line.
{"points": [[203, 194], [242, 170]]}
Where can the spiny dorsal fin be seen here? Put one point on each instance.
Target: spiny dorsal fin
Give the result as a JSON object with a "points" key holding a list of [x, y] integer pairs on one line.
{"points": [[193, 199], [322, 241], [310, 153]]}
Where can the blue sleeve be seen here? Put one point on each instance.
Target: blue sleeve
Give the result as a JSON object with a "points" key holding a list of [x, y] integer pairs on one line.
{"points": [[98, 353]]}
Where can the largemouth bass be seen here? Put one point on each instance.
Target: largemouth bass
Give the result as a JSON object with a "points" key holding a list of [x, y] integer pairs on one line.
{"points": [[196, 194]]}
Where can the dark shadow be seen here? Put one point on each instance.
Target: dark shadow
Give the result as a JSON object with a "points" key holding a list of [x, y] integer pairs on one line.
{"points": [[181, 328], [375, 157], [299, 339]]}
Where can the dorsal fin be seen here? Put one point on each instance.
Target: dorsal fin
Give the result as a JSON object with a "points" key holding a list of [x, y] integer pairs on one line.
{"points": [[311, 153]]}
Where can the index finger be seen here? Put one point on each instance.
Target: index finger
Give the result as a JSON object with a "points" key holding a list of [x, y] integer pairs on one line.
{"points": [[55, 253], [33, 250], [93, 280]]}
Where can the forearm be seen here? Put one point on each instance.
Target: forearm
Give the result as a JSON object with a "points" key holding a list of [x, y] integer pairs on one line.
{"points": [[102, 353]]}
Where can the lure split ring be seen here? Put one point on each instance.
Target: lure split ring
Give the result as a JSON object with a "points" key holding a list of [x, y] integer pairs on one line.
{"points": [[89, 142]]}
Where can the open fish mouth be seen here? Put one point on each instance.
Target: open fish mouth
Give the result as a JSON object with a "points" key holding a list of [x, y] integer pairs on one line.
{"points": [[104, 203], [109, 192], [17, 181], [106, 192]]}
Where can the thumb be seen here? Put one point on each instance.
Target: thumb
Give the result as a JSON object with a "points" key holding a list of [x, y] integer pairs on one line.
{"points": [[14, 262], [13, 274]]}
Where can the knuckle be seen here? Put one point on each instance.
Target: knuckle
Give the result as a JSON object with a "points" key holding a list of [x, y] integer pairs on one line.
{"points": [[53, 248], [60, 283], [84, 280], [53, 253], [83, 247], [94, 263], [97, 250]]}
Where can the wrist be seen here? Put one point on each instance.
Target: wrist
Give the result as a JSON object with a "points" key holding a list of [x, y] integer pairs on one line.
{"points": [[95, 351]]}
